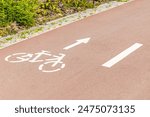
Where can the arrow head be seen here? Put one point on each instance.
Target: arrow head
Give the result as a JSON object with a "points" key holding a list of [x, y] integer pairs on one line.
{"points": [[85, 40], [78, 42]]}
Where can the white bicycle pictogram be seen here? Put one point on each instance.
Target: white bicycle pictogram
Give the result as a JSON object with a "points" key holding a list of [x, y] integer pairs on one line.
{"points": [[51, 64]]}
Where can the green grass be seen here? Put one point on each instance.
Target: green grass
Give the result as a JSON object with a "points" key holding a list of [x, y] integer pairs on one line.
{"points": [[9, 38]]}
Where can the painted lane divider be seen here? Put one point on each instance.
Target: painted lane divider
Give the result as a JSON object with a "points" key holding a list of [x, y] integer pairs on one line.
{"points": [[122, 55], [78, 42]]}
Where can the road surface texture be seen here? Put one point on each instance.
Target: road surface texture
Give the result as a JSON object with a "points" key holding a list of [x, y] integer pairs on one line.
{"points": [[112, 62]]}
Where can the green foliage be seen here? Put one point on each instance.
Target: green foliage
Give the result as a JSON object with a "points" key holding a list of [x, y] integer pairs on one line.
{"points": [[16, 15], [52, 9], [20, 11], [61, 6], [78, 3]]}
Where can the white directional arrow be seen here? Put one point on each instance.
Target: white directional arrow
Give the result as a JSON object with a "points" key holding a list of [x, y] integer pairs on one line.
{"points": [[78, 42]]}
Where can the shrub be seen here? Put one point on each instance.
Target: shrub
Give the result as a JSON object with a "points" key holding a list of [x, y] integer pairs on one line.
{"points": [[20, 11]]}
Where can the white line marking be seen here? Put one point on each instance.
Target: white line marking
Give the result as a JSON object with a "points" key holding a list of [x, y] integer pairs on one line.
{"points": [[78, 42], [122, 55]]}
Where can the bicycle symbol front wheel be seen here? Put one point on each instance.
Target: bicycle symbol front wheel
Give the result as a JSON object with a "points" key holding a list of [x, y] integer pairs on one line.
{"points": [[51, 67]]}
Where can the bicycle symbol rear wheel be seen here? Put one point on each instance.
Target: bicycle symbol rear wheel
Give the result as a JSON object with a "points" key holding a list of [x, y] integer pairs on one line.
{"points": [[18, 57]]}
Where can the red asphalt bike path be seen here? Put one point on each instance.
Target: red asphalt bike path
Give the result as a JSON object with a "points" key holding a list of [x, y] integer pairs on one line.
{"points": [[80, 74]]}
